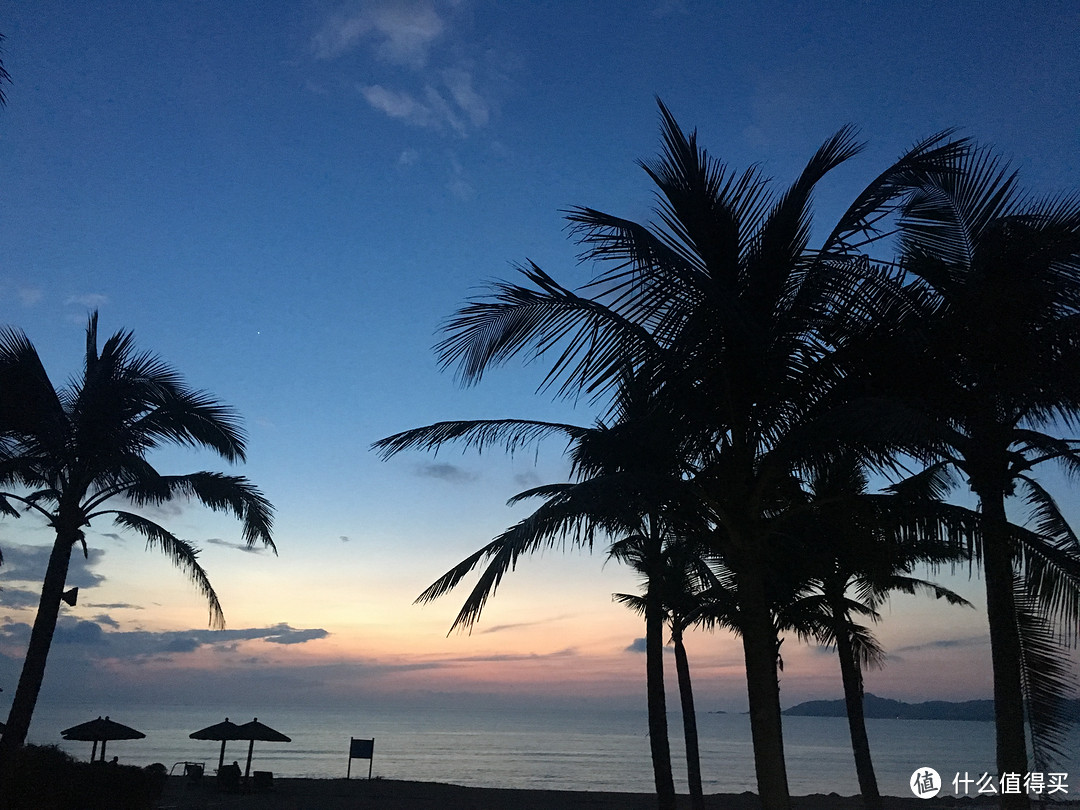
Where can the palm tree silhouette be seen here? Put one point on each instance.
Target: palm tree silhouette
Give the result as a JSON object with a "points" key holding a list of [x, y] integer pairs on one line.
{"points": [[866, 547], [724, 302], [629, 484], [67, 453], [683, 578], [992, 361]]}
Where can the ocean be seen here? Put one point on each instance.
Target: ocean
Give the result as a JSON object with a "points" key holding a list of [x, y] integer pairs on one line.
{"points": [[559, 749]]}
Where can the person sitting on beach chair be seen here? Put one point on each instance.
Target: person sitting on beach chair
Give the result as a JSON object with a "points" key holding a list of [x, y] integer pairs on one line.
{"points": [[228, 778]]}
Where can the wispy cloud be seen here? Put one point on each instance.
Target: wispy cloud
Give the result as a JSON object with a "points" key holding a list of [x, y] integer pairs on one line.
{"points": [[419, 84], [460, 84], [28, 296], [89, 300], [527, 480], [944, 644], [446, 472], [217, 541], [400, 33], [133, 644], [516, 625]]}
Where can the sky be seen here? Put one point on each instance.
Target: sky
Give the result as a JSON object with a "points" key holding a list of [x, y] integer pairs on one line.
{"points": [[286, 200]]}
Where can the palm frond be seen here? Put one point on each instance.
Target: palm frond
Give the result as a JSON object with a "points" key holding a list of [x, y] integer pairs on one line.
{"points": [[1047, 680], [510, 434], [219, 492], [592, 342], [885, 194], [181, 553]]}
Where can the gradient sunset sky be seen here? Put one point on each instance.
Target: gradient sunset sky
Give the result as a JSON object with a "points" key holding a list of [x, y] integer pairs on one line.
{"points": [[285, 200]]}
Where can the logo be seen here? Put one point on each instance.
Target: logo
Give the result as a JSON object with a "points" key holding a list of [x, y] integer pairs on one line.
{"points": [[925, 783]]}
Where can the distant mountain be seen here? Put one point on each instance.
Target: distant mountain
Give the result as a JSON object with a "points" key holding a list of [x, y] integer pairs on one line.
{"points": [[885, 709]]}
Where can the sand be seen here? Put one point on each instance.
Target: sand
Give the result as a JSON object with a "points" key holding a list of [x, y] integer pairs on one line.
{"points": [[389, 794]]}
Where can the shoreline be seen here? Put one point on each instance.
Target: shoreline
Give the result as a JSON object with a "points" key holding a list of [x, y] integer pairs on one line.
{"points": [[391, 794]]}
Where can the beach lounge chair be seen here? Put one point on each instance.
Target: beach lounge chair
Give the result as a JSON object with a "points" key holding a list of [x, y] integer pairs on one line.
{"points": [[228, 778], [262, 781]]}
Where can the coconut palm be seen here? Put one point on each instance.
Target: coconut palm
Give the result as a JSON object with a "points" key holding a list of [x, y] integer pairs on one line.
{"points": [[725, 302], [867, 546], [683, 577], [68, 453], [995, 359], [629, 485]]}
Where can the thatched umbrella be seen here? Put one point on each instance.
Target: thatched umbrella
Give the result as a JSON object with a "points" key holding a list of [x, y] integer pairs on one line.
{"points": [[103, 731], [257, 731], [223, 731]]}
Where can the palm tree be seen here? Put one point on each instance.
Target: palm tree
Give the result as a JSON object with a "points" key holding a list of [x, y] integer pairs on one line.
{"points": [[725, 302], [995, 353], [67, 453], [868, 545], [683, 579], [629, 484]]}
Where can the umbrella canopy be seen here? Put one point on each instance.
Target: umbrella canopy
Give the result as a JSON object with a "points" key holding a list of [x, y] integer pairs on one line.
{"points": [[223, 731], [101, 730], [257, 731]]}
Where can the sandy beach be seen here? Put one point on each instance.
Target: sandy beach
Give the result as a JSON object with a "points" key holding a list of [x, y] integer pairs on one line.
{"points": [[388, 794]]}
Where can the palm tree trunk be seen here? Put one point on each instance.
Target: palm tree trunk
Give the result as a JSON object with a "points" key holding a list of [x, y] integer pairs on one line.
{"points": [[763, 692], [1005, 651], [654, 678], [851, 673], [690, 732], [33, 671]]}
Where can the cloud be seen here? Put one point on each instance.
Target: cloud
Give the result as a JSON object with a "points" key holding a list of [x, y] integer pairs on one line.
{"points": [[344, 538], [408, 157], [401, 32], [19, 597], [217, 541], [514, 626], [458, 185], [28, 563], [944, 644], [113, 606], [566, 652], [29, 296], [89, 300], [527, 480], [146, 645], [446, 472], [459, 83], [79, 632], [456, 107], [638, 646], [108, 621]]}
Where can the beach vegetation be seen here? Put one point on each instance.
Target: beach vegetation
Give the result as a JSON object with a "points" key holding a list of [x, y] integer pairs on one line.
{"points": [[991, 368], [73, 454], [778, 372]]}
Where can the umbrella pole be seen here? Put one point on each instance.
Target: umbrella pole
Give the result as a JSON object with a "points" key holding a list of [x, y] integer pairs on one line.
{"points": [[221, 759], [103, 750], [93, 752], [251, 747]]}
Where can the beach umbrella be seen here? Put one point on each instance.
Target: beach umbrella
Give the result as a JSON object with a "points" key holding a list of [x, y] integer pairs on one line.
{"points": [[257, 731], [101, 731], [223, 731]]}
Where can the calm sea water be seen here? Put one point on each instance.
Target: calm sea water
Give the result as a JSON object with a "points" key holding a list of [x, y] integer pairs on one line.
{"points": [[554, 749]]}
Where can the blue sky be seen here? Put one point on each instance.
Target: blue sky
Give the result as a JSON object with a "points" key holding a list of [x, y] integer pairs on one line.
{"points": [[285, 200]]}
